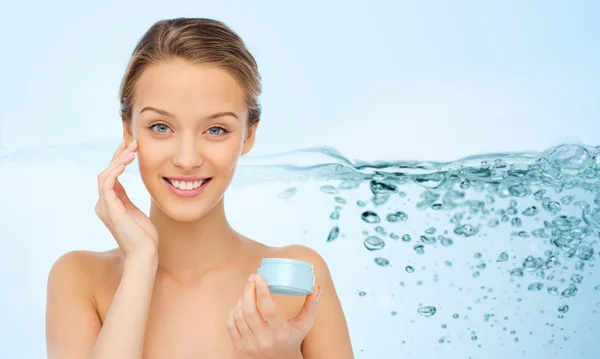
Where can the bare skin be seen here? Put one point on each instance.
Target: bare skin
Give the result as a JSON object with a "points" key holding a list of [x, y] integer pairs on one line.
{"points": [[169, 288]]}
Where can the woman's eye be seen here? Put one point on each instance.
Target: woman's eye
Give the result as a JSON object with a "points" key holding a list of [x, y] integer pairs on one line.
{"points": [[160, 128], [216, 131]]}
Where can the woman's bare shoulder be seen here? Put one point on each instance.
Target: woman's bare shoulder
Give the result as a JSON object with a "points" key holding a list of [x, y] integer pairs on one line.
{"points": [[299, 252], [82, 266]]}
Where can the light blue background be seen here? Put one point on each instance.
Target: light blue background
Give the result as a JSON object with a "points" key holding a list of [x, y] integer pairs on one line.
{"points": [[378, 80]]}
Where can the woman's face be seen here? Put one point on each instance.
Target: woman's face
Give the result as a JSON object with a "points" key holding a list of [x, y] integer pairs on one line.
{"points": [[190, 122]]}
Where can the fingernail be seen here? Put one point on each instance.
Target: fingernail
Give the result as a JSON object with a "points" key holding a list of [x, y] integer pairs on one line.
{"points": [[251, 278]]}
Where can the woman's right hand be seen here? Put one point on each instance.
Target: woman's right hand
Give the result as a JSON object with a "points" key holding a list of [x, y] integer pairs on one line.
{"points": [[131, 228]]}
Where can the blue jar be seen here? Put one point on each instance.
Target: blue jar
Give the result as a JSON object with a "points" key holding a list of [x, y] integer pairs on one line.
{"points": [[287, 276]]}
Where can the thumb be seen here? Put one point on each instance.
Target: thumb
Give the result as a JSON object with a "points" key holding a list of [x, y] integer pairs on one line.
{"points": [[305, 318], [121, 194]]}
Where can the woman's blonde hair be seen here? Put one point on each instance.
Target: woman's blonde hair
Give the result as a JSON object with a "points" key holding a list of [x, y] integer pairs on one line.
{"points": [[199, 41]]}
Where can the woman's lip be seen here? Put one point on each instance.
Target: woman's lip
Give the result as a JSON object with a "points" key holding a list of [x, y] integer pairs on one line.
{"points": [[187, 193], [187, 178]]}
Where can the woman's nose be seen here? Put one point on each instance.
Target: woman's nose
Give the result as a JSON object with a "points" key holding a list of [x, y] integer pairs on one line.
{"points": [[187, 154]]}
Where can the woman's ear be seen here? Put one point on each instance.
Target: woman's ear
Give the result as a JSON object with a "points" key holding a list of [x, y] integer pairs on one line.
{"points": [[127, 131], [250, 138]]}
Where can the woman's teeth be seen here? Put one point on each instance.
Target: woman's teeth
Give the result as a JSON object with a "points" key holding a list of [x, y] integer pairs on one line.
{"points": [[186, 185]]}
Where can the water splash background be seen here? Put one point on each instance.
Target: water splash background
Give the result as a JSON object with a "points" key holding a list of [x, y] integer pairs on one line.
{"points": [[489, 256]]}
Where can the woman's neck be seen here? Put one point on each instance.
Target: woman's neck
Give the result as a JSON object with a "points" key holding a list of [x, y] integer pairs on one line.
{"points": [[188, 250]]}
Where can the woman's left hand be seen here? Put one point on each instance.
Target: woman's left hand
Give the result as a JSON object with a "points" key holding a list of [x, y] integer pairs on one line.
{"points": [[257, 329]]}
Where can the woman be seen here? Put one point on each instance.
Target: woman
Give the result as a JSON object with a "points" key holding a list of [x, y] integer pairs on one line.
{"points": [[178, 285]]}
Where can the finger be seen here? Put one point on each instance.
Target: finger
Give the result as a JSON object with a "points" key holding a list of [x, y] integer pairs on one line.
{"points": [[241, 324], [119, 150], [123, 155], [120, 156], [116, 169], [127, 156], [107, 192], [253, 317], [305, 318], [121, 194], [232, 328], [266, 305]]}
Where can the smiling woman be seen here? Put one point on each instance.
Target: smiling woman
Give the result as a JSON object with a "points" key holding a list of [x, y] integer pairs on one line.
{"points": [[181, 282]]}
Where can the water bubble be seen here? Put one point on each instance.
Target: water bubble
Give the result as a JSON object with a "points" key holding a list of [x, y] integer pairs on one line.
{"points": [[466, 230], [409, 269], [406, 238], [516, 222], [429, 198], [288, 193], [563, 308], [379, 200], [427, 311], [455, 315], [433, 180], [535, 287], [571, 159], [396, 217], [382, 262], [519, 190], [540, 233], [576, 278], [374, 243], [582, 205], [517, 272], [570, 291], [597, 287], [493, 223], [361, 203], [553, 290], [340, 200], [382, 188], [370, 217], [539, 194], [362, 293], [592, 218], [503, 257], [465, 184], [333, 233], [419, 248], [551, 206], [335, 215], [530, 211], [329, 189], [428, 240], [566, 200], [532, 263], [445, 241]]}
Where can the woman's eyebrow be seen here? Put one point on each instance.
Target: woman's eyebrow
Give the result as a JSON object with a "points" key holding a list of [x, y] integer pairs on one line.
{"points": [[210, 117]]}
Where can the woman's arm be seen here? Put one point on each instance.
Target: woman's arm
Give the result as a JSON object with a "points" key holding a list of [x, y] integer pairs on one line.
{"points": [[73, 328], [329, 336]]}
